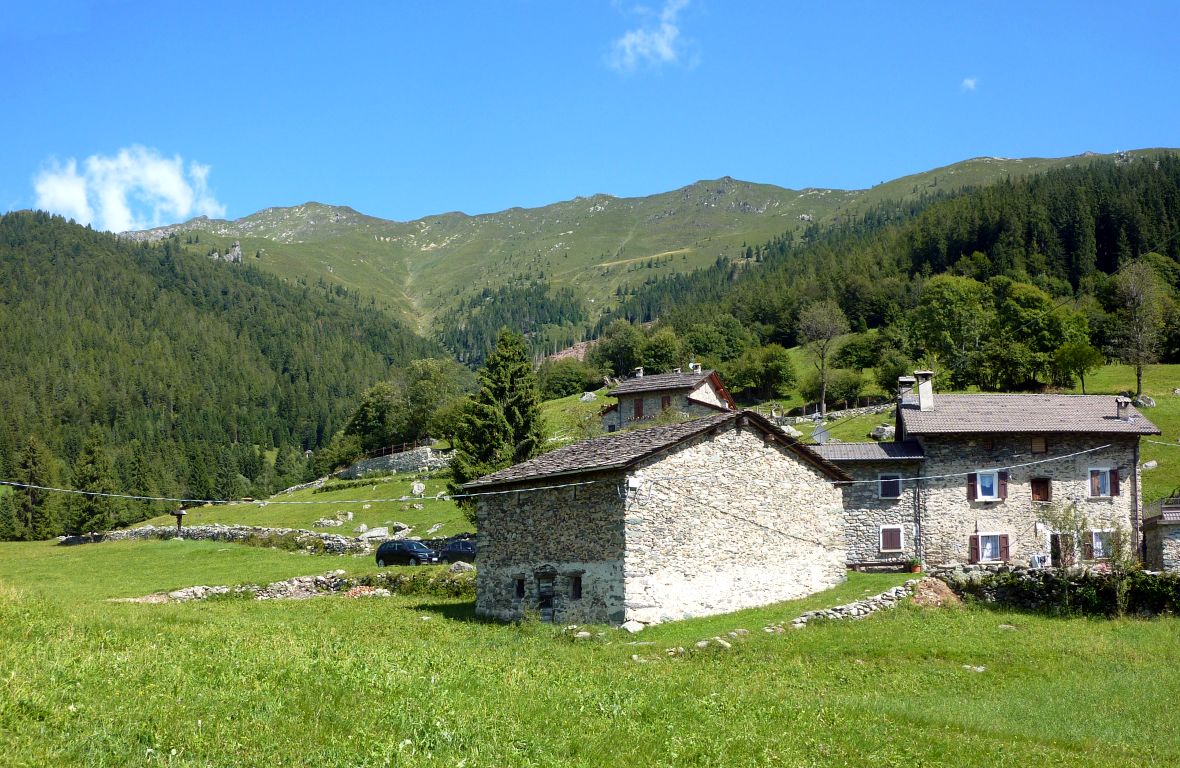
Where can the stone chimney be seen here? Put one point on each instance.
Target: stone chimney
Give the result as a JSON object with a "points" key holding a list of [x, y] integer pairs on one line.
{"points": [[925, 390], [694, 367], [1122, 407], [907, 390], [639, 372]]}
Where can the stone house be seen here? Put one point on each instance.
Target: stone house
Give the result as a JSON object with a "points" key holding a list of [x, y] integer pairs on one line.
{"points": [[969, 478], [696, 393], [1161, 537], [673, 521]]}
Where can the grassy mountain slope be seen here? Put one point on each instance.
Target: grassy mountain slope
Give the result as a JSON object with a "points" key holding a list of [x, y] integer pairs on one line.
{"points": [[593, 244]]}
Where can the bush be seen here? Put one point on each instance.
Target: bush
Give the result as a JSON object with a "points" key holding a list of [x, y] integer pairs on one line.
{"points": [[843, 385], [1076, 593]]}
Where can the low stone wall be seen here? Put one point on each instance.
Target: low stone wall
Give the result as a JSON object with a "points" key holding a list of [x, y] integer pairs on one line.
{"points": [[407, 461], [329, 543], [858, 610], [1163, 546]]}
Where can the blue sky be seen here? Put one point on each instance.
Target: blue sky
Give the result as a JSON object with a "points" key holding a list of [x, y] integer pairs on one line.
{"points": [[141, 113]]}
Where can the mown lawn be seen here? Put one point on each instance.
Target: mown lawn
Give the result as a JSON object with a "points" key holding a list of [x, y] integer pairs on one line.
{"points": [[417, 681]]}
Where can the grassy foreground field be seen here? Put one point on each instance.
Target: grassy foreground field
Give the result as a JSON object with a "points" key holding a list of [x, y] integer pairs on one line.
{"points": [[417, 681]]}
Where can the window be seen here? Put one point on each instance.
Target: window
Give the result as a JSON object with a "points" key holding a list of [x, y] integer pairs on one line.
{"points": [[889, 486], [1100, 544], [519, 588], [1104, 483], [985, 547], [988, 444], [891, 539], [575, 587], [665, 402], [1042, 489], [638, 408], [1039, 445], [987, 485]]}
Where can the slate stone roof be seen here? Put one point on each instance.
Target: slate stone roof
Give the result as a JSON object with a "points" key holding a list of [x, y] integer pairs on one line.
{"points": [[907, 450], [1167, 516], [660, 381], [621, 450], [1023, 413]]}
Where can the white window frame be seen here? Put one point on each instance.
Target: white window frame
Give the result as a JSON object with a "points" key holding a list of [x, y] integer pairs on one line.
{"points": [[997, 536], [1105, 549], [881, 537], [884, 477], [979, 473], [1089, 486]]}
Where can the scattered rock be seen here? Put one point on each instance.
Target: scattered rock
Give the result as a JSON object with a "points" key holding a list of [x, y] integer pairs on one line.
{"points": [[367, 506], [588, 397], [327, 522], [974, 669], [1007, 626], [460, 567], [883, 432], [583, 635], [1150, 464], [1143, 401], [360, 528], [434, 529], [376, 533], [416, 506], [632, 626], [722, 643], [702, 644]]}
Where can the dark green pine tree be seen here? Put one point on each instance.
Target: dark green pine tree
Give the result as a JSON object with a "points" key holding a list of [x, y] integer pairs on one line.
{"points": [[8, 526], [36, 513], [93, 472], [501, 424]]}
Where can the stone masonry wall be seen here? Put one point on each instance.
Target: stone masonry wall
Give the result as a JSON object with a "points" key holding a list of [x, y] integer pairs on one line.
{"points": [[728, 522], [559, 534], [949, 519], [1163, 547], [330, 542], [621, 416], [407, 461], [865, 512]]}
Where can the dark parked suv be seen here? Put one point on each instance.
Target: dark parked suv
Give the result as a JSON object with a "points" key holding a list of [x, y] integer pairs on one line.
{"points": [[461, 549], [404, 553]]}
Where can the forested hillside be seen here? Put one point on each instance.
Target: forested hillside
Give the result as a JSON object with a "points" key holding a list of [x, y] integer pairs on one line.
{"points": [[147, 369], [960, 281]]}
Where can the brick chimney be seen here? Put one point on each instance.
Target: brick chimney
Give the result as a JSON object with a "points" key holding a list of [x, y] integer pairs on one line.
{"points": [[925, 390]]}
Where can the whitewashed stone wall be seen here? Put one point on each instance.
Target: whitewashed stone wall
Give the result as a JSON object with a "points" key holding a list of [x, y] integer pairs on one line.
{"points": [[949, 519], [705, 393], [865, 512], [728, 522], [560, 533], [1163, 547]]}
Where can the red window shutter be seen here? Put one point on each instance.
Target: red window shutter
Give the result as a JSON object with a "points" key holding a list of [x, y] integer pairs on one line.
{"points": [[973, 549], [1004, 546], [638, 408], [971, 496], [1087, 545], [1003, 488], [1114, 481], [665, 402], [890, 539]]}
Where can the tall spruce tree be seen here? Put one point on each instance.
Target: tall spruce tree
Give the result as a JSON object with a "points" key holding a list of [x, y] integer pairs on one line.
{"points": [[36, 514], [94, 472], [501, 424]]}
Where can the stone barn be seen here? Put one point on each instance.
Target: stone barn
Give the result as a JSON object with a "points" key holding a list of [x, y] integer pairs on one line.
{"points": [[669, 522]]}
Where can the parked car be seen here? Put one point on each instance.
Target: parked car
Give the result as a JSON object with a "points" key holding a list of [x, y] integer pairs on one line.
{"points": [[460, 549], [403, 552]]}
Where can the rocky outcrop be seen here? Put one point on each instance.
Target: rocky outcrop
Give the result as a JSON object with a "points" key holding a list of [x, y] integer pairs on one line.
{"points": [[415, 460]]}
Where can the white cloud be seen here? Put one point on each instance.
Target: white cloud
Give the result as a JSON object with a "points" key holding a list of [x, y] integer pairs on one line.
{"points": [[655, 43], [969, 83], [136, 188]]}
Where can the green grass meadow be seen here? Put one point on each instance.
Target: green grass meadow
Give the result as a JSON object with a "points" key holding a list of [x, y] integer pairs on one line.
{"points": [[418, 681]]}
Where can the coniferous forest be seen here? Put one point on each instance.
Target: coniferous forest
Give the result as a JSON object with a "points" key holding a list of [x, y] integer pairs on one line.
{"points": [[146, 369]]}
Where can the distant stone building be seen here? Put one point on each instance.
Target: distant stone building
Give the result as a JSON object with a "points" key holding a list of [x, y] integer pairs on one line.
{"points": [[1161, 535], [968, 477], [680, 520], [641, 398]]}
